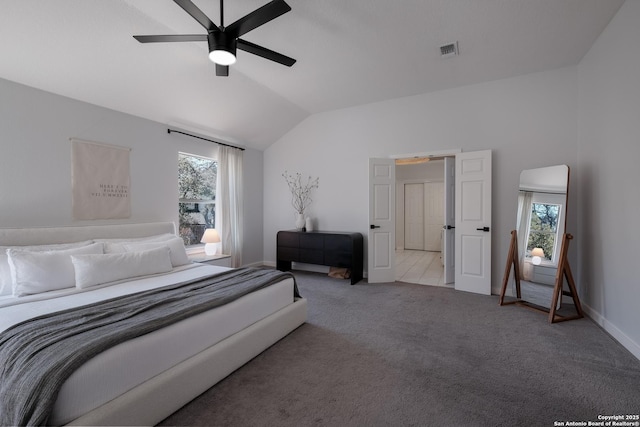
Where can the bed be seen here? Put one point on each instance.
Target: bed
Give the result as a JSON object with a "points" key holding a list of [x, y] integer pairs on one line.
{"points": [[142, 380]]}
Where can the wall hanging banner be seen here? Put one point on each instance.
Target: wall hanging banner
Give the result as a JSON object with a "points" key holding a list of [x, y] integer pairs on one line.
{"points": [[100, 180]]}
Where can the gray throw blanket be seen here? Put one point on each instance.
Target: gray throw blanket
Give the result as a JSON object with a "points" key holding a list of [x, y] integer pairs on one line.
{"points": [[38, 355]]}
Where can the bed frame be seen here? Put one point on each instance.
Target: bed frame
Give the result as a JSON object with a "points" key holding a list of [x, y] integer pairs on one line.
{"points": [[154, 400]]}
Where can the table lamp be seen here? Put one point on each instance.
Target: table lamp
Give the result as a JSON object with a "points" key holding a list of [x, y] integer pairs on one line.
{"points": [[210, 238], [536, 256]]}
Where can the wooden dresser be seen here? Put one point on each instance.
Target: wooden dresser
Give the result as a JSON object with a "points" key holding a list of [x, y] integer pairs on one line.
{"points": [[332, 248]]}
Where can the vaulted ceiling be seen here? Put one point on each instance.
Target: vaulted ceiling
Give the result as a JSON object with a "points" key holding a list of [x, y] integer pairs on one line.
{"points": [[348, 52]]}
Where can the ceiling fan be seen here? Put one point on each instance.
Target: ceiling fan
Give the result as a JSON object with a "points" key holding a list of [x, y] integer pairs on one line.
{"points": [[223, 41]]}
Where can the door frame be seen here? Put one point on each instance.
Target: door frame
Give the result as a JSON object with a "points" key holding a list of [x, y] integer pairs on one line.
{"points": [[438, 153]]}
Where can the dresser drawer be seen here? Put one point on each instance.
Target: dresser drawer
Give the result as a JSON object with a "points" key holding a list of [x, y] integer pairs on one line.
{"points": [[288, 239], [312, 241], [288, 254], [312, 256]]}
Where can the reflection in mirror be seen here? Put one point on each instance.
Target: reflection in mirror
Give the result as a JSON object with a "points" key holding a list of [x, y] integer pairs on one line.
{"points": [[542, 201]]}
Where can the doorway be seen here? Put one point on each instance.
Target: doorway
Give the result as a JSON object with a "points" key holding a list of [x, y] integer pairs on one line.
{"points": [[467, 249], [419, 222]]}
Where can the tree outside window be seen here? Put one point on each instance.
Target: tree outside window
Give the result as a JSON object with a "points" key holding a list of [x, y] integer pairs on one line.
{"points": [[543, 228], [197, 196]]}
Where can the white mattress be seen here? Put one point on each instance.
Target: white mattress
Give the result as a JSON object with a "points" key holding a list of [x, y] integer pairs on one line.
{"points": [[126, 365]]}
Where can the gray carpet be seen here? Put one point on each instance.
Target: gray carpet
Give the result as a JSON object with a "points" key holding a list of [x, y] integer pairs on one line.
{"points": [[409, 355]]}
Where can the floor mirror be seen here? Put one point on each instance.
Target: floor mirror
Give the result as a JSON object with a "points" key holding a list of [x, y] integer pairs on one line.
{"points": [[539, 246]]}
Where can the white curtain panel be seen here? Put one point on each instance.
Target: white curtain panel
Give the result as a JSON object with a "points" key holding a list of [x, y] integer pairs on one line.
{"points": [[525, 203], [229, 202]]}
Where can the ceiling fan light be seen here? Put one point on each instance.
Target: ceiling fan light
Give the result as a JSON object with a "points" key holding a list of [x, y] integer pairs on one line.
{"points": [[222, 49], [222, 57]]}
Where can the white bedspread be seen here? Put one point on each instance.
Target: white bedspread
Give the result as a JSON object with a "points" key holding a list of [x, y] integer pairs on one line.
{"points": [[16, 309], [126, 365]]}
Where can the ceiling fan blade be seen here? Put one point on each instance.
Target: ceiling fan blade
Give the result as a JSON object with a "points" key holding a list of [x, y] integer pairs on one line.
{"points": [[172, 38], [197, 14], [265, 53], [258, 17], [222, 70]]}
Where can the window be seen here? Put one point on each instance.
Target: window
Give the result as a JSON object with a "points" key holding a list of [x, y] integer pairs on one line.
{"points": [[543, 228], [197, 196], [546, 225]]}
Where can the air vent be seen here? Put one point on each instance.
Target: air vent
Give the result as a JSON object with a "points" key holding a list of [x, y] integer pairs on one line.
{"points": [[448, 50]]}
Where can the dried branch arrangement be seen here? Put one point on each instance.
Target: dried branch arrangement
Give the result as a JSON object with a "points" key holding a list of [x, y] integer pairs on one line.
{"points": [[300, 192]]}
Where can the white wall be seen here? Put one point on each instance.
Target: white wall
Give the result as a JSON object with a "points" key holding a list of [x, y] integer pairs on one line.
{"points": [[528, 122], [608, 179], [35, 162]]}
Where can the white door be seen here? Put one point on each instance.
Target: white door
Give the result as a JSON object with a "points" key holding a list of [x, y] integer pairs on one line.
{"points": [[448, 232], [414, 216], [434, 218], [382, 220], [473, 222]]}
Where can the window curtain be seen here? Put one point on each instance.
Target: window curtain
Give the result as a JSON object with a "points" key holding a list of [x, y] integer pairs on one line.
{"points": [[229, 202], [525, 199]]}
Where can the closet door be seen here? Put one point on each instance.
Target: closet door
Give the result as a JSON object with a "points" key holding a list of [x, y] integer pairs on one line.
{"points": [[434, 215], [414, 203]]}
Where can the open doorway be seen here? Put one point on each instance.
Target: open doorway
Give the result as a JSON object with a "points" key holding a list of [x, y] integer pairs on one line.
{"points": [[467, 234], [419, 221]]}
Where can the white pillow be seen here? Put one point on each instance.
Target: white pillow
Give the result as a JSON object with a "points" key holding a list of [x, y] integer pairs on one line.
{"points": [[6, 282], [35, 272], [116, 246], [176, 245], [92, 270]]}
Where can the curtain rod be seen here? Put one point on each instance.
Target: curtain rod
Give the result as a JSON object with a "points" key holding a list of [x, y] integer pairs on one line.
{"points": [[205, 139]]}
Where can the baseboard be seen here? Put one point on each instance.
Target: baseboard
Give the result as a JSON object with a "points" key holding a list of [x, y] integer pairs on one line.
{"points": [[613, 330], [298, 266], [260, 264], [314, 268]]}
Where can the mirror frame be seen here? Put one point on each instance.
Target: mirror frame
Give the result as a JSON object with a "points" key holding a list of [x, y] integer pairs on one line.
{"points": [[563, 270]]}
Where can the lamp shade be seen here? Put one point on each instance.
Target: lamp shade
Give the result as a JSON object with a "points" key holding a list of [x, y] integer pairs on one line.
{"points": [[210, 236], [537, 252], [536, 256]]}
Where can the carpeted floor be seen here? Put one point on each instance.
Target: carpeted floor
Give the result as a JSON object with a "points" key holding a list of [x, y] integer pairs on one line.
{"points": [[400, 354]]}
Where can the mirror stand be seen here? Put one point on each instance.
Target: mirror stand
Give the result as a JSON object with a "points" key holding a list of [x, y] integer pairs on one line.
{"points": [[563, 272]]}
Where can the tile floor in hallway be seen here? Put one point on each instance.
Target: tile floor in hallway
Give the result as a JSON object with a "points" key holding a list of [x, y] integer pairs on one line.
{"points": [[422, 267]]}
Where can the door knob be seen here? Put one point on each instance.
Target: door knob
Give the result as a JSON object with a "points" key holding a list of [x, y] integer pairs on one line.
{"points": [[483, 229], [374, 226]]}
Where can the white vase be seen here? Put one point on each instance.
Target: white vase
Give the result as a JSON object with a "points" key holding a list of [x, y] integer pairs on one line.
{"points": [[308, 224], [300, 222]]}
